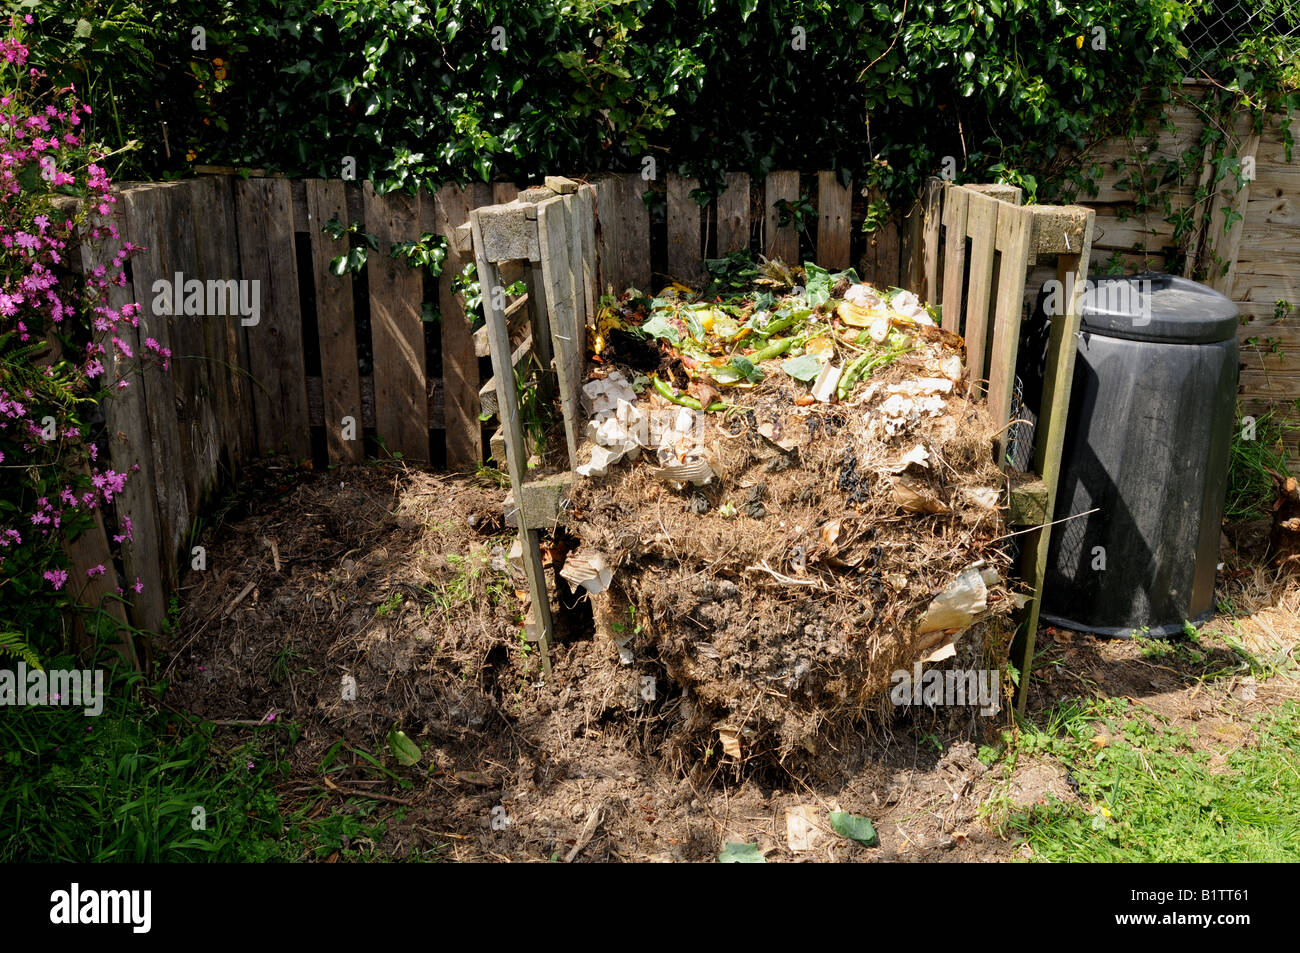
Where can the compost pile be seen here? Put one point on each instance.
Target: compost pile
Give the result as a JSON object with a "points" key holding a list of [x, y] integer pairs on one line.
{"points": [[788, 497]]}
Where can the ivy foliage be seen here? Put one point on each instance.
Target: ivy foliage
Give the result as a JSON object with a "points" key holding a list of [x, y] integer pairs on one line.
{"points": [[420, 93]]}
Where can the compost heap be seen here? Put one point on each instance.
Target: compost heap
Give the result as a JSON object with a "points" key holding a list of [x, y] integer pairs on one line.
{"points": [[787, 497]]}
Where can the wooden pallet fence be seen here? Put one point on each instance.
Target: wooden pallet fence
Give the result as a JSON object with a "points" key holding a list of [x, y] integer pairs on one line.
{"points": [[235, 386], [978, 243]]}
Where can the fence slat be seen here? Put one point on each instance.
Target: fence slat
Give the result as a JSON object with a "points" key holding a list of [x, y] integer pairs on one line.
{"points": [[264, 212], [502, 193], [584, 206], [208, 238], [560, 277], [931, 202], [683, 230], [623, 234], [780, 241], [147, 211], [1015, 227], [954, 261], [396, 331], [336, 324], [197, 346], [450, 208], [834, 205], [733, 214], [221, 248], [981, 226]]}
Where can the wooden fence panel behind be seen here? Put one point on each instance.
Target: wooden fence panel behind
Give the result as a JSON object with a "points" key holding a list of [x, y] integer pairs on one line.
{"points": [[733, 214], [834, 205], [192, 361], [215, 241], [225, 234], [401, 404], [442, 214], [130, 446], [623, 239], [780, 241], [336, 324], [684, 252], [264, 211], [146, 213]]}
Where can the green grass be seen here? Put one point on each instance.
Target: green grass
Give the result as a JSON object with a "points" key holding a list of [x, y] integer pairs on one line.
{"points": [[1150, 795], [1250, 487], [125, 786]]}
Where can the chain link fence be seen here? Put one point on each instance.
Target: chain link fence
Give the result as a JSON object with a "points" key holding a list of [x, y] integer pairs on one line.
{"points": [[1228, 29]]}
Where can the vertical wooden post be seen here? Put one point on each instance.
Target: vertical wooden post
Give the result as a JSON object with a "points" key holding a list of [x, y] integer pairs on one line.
{"points": [[1049, 443], [516, 455]]}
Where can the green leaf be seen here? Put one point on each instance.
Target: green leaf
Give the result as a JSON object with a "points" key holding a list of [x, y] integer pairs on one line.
{"points": [[819, 284], [406, 751], [660, 325], [803, 368], [855, 827], [735, 853]]}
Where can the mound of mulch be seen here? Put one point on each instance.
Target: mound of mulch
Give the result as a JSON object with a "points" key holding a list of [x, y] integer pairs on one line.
{"points": [[776, 600]]}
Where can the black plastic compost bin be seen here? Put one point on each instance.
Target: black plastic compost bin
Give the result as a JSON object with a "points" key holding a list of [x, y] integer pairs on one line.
{"points": [[1151, 419]]}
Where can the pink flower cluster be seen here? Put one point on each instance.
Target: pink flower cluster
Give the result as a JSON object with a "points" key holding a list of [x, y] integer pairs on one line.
{"points": [[50, 462]]}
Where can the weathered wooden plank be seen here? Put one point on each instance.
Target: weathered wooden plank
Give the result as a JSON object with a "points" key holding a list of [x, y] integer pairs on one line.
{"points": [[834, 204], [129, 443], [264, 214], [684, 254], [396, 330], [1049, 441], [336, 326], [241, 437], [464, 433], [623, 233], [584, 207], [733, 214], [1015, 229], [931, 218], [92, 583], [981, 228], [512, 426], [202, 339], [146, 213], [560, 279], [191, 365], [780, 241], [954, 263]]}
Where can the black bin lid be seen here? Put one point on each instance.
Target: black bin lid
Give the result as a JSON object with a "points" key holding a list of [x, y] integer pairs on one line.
{"points": [[1152, 306]]}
